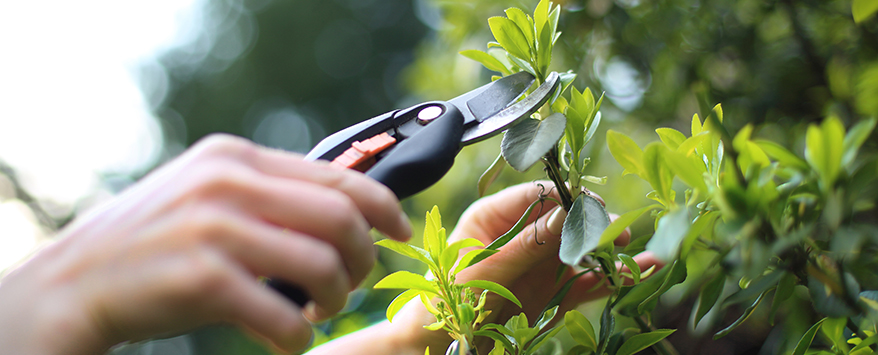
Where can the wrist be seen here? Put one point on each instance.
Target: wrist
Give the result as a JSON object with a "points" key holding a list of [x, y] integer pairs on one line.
{"points": [[40, 314]]}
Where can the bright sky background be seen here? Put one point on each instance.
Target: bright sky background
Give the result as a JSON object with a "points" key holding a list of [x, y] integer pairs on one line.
{"points": [[70, 107]]}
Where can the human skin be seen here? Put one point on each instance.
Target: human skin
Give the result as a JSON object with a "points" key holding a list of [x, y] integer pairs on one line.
{"points": [[185, 246], [523, 266]]}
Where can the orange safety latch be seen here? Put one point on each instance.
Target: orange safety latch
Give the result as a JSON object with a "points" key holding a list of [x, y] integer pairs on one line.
{"points": [[361, 155]]}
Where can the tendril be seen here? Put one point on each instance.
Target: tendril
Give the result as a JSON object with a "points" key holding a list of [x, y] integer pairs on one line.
{"points": [[542, 195]]}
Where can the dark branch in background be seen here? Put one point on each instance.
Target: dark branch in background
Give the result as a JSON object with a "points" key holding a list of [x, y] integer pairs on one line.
{"points": [[44, 218], [812, 55]]}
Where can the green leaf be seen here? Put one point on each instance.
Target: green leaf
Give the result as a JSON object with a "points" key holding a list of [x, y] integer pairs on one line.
{"points": [[668, 237], [642, 341], [784, 290], [863, 9], [524, 23], [544, 339], [828, 302], [546, 317], [632, 266], [562, 292], [593, 125], [512, 232], [500, 328], [709, 295], [582, 230], [434, 242], [824, 149], [657, 173], [566, 79], [435, 326], [696, 125], [580, 329], [495, 288], [452, 252], [525, 143], [624, 221], [807, 338], [676, 275], [597, 180], [628, 302], [626, 152], [575, 131], [781, 154], [865, 344], [608, 325], [541, 13], [498, 349], [756, 287], [485, 59], [510, 37], [747, 313], [491, 174], [472, 257], [870, 298], [466, 313], [672, 138], [484, 332], [405, 279], [833, 329], [406, 249], [522, 64], [857, 136], [703, 223], [399, 302]]}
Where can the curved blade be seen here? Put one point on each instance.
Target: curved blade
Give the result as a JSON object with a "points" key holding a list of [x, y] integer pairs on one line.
{"points": [[508, 116], [485, 101]]}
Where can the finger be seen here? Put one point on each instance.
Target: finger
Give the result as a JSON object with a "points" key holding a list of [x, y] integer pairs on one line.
{"points": [[306, 208], [494, 215], [189, 288], [265, 313], [263, 249], [378, 204], [624, 237]]}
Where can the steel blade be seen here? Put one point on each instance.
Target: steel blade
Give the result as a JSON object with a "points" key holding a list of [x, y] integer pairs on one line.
{"points": [[508, 116]]}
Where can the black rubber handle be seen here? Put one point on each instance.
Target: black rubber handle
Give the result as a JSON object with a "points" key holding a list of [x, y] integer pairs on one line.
{"points": [[409, 167], [423, 158]]}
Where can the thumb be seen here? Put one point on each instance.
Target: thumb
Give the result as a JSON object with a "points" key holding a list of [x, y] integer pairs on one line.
{"points": [[537, 243]]}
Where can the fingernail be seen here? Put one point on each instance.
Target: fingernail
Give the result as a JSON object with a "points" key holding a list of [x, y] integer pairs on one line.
{"points": [[556, 221]]}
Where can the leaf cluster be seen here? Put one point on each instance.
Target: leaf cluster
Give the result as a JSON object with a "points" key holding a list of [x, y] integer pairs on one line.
{"points": [[459, 308], [770, 218]]}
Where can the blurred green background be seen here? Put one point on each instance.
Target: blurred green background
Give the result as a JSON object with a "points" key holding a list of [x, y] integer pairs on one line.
{"points": [[288, 73]]}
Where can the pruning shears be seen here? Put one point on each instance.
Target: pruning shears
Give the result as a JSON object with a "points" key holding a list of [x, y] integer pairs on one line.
{"points": [[409, 150]]}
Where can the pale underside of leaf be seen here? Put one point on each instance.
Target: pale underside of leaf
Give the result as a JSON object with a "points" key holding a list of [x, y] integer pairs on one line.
{"points": [[582, 229], [524, 144]]}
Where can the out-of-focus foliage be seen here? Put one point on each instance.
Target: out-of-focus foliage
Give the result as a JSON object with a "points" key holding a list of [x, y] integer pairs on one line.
{"points": [[777, 66], [284, 73]]}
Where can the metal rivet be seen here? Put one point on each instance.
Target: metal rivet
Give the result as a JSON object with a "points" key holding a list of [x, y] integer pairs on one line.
{"points": [[429, 113]]}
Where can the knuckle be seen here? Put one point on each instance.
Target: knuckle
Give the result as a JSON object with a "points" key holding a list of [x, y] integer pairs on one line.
{"points": [[328, 265], [224, 145], [206, 274], [205, 224], [342, 213], [218, 178]]}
